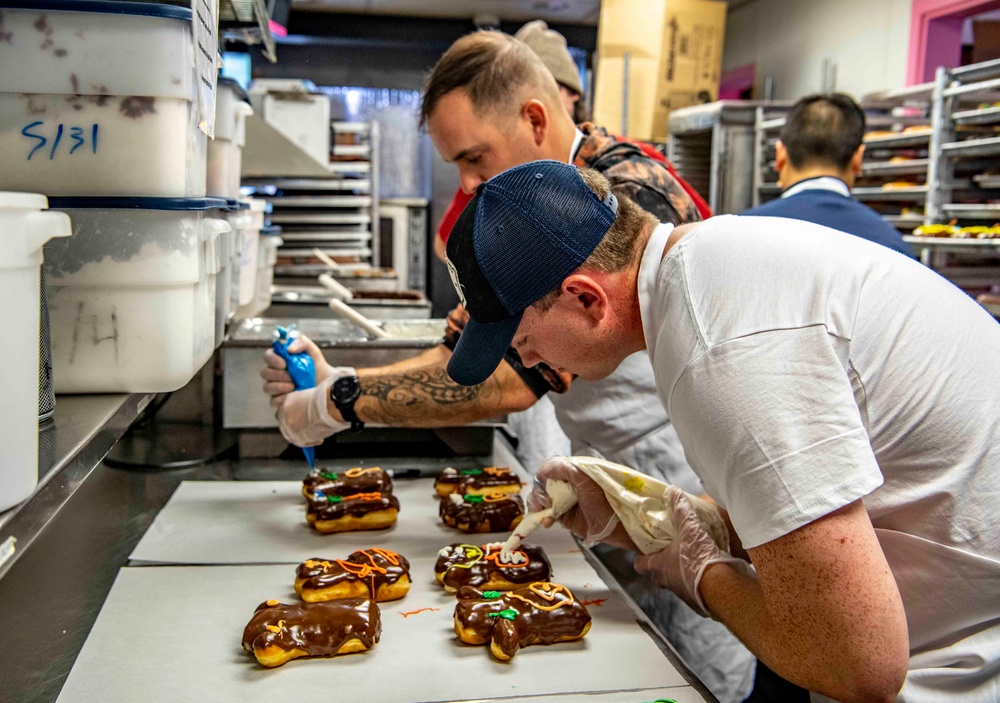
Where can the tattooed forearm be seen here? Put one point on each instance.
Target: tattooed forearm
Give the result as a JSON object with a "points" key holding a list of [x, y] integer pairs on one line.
{"points": [[420, 386], [427, 397]]}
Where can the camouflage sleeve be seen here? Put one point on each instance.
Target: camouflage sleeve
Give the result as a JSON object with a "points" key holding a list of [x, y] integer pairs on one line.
{"points": [[540, 378], [657, 193]]}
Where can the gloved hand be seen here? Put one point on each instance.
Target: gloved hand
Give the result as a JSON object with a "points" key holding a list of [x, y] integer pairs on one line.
{"points": [[681, 566], [592, 518], [303, 416], [277, 382]]}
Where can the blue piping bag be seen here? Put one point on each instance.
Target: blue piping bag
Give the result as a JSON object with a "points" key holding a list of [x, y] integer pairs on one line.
{"points": [[302, 370]]}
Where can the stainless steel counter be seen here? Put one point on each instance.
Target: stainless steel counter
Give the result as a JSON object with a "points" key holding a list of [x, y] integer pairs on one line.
{"points": [[52, 594]]}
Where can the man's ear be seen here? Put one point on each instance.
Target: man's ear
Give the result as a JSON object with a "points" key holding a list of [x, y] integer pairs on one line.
{"points": [[537, 116], [856, 160], [780, 156], [586, 295]]}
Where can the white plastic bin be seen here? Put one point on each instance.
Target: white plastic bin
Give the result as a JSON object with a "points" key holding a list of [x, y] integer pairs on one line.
{"points": [[23, 231], [251, 247], [132, 293], [225, 152], [96, 98], [238, 219], [270, 240], [220, 270]]}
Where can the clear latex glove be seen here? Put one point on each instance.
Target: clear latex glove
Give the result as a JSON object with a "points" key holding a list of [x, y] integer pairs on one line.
{"points": [[277, 382], [592, 518], [681, 566], [304, 418]]}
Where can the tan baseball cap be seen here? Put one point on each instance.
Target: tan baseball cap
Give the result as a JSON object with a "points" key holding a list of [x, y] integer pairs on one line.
{"points": [[551, 49]]}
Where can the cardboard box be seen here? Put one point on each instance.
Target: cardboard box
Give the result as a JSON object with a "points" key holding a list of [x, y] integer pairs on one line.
{"points": [[674, 50]]}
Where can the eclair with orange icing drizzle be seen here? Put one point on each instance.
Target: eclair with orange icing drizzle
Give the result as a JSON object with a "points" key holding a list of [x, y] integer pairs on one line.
{"points": [[374, 573], [358, 511], [344, 483], [539, 613], [491, 512], [279, 632], [481, 566], [492, 479]]}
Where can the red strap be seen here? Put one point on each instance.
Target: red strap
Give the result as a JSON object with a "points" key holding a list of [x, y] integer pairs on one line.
{"points": [[458, 204]]}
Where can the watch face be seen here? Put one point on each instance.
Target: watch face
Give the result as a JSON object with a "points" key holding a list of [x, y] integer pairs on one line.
{"points": [[344, 388]]}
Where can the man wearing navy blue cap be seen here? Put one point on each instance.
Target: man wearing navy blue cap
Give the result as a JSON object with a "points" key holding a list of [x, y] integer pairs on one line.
{"points": [[838, 402]]}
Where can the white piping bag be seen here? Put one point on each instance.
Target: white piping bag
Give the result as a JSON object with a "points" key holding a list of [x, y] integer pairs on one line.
{"points": [[640, 503]]}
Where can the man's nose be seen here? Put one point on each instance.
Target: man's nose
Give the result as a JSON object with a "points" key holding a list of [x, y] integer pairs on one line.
{"points": [[469, 182], [528, 357]]}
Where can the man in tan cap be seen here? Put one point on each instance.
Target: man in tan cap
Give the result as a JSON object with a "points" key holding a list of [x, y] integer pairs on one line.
{"points": [[552, 50]]}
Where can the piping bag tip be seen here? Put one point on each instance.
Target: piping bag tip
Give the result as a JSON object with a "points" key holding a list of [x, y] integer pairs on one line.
{"points": [[563, 498], [310, 453]]}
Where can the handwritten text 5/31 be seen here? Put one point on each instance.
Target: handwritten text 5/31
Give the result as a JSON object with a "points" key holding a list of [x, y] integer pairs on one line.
{"points": [[71, 138]]}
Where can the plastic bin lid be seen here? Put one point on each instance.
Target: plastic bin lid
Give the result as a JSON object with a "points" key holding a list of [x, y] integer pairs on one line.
{"points": [[22, 201], [233, 84], [271, 230], [234, 204], [112, 7], [122, 203]]}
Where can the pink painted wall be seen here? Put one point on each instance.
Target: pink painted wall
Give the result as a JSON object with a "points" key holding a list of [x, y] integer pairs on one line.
{"points": [[936, 34]]}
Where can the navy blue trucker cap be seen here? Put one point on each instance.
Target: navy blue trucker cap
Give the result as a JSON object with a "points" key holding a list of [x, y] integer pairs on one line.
{"points": [[521, 235]]}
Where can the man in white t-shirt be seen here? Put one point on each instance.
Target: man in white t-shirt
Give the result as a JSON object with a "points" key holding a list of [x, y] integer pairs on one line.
{"points": [[839, 402]]}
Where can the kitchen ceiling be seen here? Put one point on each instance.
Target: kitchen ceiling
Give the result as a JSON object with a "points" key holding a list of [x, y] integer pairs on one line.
{"points": [[585, 12]]}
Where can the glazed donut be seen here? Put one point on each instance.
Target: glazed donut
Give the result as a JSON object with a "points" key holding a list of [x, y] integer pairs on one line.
{"points": [[368, 573], [493, 512], [278, 633], [361, 511], [492, 479], [481, 567], [540, 613], [356, 480]]}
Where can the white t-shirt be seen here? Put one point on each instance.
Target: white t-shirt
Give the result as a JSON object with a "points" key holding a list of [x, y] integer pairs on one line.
{"points": [[805, 368]]}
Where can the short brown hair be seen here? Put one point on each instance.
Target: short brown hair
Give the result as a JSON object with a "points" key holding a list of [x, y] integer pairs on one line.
{"points": [[619, 248], [492, 67]]}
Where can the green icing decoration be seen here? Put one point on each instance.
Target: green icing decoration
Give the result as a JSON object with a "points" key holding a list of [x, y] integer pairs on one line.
{"points": [[508, 614], [492, 595], [474, 499], [328, 476], [471, 472], [334, 499]]}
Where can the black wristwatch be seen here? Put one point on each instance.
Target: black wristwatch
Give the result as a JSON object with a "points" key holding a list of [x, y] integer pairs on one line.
{"points": [[344, 393]]}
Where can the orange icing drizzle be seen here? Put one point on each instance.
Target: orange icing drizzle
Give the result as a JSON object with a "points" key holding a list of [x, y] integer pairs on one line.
{"points": [[355, 472], [494, 497], [309, 564], [597, 601], [277, 628], [496, 471], [271, 603], [546, 590], [374, 495], [362, 571], [415, 612], [495, 556]]}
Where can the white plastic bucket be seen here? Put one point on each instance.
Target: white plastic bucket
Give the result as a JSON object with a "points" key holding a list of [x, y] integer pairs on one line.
{"points": [[132, 293], [225, 152], [267, 256], [99, 101], [24, 228], [250, 250], [222, 275]]}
